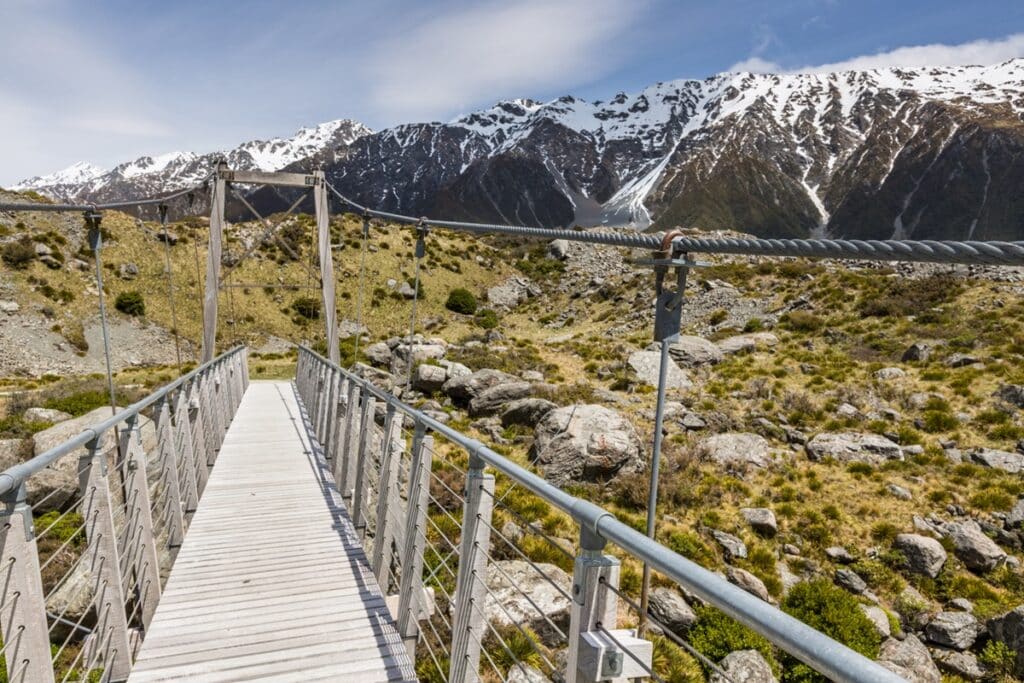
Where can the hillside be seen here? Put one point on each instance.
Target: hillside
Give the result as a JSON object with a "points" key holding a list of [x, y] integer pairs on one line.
{"points": [[925, 153], [858, 410]]}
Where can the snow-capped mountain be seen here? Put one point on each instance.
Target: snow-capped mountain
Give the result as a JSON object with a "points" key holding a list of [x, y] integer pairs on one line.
{"points": [[148, 176], [923, 153]]}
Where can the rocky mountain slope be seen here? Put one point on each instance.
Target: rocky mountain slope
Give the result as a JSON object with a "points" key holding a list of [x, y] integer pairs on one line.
{"points": [[918, 153]]}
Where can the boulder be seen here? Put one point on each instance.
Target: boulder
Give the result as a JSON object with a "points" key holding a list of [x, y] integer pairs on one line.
{"points": [[744, 666], [1011, 393], [924, 555], [525, 411], [731, 545], [878, 618], [429, 378], [838, 553], [490, 400], [872, 449], [1000, 460], [748, 582], [1015, 517], [690, 351], [960, 360], [454, 369], [672, 611], [378, 354], [909, 658], [415, 353], [972, 546], [524, 673], [897, 491], [406, 291], [647, 366], [45, 415], [127, 271], [957, 630], [464, 388], [736, 450], [747, 342], [1009, 630], [511, 293], [72, 598], [505, 605], [586, 443], [761, 520], [887, 374], [918, 351], [9, 307], [381, 378], [850, 580], [60, 478], [558, 249], [961, 664]]}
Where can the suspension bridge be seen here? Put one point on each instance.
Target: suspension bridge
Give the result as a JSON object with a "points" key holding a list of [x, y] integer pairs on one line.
{"points": [[283, 530]]}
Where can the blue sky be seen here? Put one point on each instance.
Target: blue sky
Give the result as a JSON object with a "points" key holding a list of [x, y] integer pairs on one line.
{"points": [[107, 81]]}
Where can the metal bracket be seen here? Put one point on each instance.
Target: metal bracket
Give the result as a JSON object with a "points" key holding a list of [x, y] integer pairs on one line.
{"points": [[92, 222], [421, 235]]}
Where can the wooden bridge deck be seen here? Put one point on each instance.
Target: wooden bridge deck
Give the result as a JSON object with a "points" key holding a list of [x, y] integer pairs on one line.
{"points": [[271, 582]]}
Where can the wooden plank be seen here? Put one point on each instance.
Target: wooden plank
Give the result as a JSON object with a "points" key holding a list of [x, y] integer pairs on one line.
{"points": [[271, 582]]}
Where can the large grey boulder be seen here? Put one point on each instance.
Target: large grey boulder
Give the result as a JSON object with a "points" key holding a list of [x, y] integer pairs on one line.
{"points": [[558, 249], [1009, 630], [378, 354], [957, 630], [465, 388], [524, 673], [511, 293], [850, 580], [1011, 393], [736, 450], [748, 582], [962, 664], [872, 449], [1015, 517], [909, 658], [744, 666], [414, 353], [45, 415], [924, 554], [996, 459], [56, 485], [761, 520], [671, 610], [491, 399], [429, 378], [747, 342], [586, 443], [972, 546], [525, 411], [506, 605], [878, 618], [732, 546], [690, 351], [647, 366]]}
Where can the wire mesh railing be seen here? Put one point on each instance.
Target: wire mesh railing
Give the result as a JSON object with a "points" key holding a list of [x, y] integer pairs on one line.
{"points": [[472, 550], [91, 527]]}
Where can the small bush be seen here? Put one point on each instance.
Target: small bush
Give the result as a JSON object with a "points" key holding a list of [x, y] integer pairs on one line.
{"points": [[802, 321], [130, 303], [19, 254], [716, 634], [461, 300], [673, 664], [835, 613], [308, 307], [487, 319], [79, 403], [998, 657]]}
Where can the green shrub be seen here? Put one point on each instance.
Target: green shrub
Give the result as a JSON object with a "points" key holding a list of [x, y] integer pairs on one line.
{"points": [[938, 421], [802, 321], [461, 300], [130, 303], [834, 612], [716, 634], [487, 319], [905, 296], [79, 403], [673, 664], [19, 254], [998, 657], [308, 307]]}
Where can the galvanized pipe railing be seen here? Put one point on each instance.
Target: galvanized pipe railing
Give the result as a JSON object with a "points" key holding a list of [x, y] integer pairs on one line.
{"points": [[116, 536], [332, 393]]}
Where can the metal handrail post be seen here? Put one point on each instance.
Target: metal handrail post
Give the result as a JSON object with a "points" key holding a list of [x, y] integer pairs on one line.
{"points": [[366, 428], [592, 602], [138, 515], [357, 395], [181, 431], [167, 461], [410, 592], [389, 502], [468, 623]]}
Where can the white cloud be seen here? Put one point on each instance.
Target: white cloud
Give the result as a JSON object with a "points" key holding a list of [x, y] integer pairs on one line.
{"points": [[515, 47], [936, 54]]}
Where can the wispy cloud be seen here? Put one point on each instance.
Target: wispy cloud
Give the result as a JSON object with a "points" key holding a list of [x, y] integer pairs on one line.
{"points": [[515, 47], [935, 54]]}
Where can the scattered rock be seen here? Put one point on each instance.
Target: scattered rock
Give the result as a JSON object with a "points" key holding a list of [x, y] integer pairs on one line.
{"points": [[918, 351], [1000, 460], [491, 399], [838, 553], [532, 376], [853, 447], [511, 293], [1015, 517], [690, 351], [897, 491], [761, 520], [586, 443], [959, 360], [465, 388], [9, 307], [924, 555], [1011, 393], [429, 378], [406, 291], [378, 354], [879, 619], [887, 374], [972, 546], [45, 415], [558, 249], [128, 271], [744, 666], [909, 658], [957, 630], [747, 342], [846, 410], [647, 366], [736, 450], [508, 580], [524, 673], [961, 604], [671, 610], [1009, 630], [526, 411], [962, 664], [850, 580], [733, 547], [748, 582]]}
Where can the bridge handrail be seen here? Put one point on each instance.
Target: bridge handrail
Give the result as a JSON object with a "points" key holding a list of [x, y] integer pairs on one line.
{"points": [[790, 634], [13, 477]]}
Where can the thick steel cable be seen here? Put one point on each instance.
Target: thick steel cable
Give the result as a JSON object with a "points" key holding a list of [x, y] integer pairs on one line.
{"points": [[145, 201], [933, 251]]}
